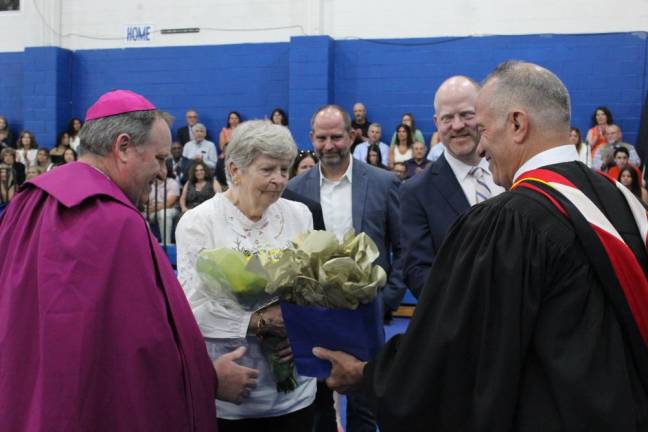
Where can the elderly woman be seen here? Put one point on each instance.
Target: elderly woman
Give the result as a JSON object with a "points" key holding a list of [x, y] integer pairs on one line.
{"points": [[249, 215]]}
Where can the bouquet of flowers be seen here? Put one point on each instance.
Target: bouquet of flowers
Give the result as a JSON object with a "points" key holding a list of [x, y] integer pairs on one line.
{"points": [[315, 270]]}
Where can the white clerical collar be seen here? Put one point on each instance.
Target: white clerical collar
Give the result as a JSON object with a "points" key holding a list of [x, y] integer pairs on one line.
{"points": [[461, 169], [555, 155], [347, 174]]}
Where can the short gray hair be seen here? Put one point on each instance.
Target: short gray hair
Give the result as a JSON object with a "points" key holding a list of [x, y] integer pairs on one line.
{"points": [[532, 87], [198, 126], [97, 136], [254, 138], [345, 116]]}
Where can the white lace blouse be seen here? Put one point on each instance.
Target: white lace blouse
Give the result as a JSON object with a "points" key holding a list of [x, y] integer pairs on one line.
{"points": [[218, 223]]}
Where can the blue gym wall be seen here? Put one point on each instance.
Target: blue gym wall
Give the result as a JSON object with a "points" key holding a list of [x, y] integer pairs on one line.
{"points": [[248, 78], [11, 88], [397, 76], [389, 76]]}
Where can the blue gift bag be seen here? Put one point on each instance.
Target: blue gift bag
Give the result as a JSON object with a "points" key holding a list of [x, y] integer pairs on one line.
{"points": [[358, 332]]}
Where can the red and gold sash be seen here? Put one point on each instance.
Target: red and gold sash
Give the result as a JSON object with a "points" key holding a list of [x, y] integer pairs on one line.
{"points": [[625, 265]]}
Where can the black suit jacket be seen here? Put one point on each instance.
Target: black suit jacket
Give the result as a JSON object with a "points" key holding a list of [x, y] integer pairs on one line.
{"points": [[19, 173], [314, 207], [183, 137], [430, 203], [184, 170]]}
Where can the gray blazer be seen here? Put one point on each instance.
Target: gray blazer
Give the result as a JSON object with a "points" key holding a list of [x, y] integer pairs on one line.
{"points": [[375, 211]]}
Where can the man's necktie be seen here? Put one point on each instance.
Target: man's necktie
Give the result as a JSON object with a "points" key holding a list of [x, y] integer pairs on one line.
{"points": [[482, 191]]}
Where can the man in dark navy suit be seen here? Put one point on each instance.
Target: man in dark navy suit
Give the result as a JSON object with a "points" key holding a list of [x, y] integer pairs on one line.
{"points": [[432, 200]]}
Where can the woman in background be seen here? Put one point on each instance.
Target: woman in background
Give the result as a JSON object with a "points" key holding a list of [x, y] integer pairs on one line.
{"points": [[7, 186], [402, 150], [6, 138], [581, 147], [43, 162], [62, 144], [417, 135], [27, 149], [279, 117], [304, 161], [233, 120], [374, 156], [69, 156], [629, 178], [199, 187], [33, 172], [73, 132], [601, 118]]}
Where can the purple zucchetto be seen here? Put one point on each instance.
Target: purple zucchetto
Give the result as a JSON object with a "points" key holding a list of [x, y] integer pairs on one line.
{"points": [[118, 102]]}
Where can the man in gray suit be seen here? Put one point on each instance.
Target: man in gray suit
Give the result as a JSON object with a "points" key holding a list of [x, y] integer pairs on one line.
{"points": [[354, 195]]}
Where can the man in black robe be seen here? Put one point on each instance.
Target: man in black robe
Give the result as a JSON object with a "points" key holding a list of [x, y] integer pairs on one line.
{"points": [[522, 325]]}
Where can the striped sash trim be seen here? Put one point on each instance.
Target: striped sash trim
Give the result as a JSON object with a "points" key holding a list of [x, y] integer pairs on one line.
{"points": [[625, 265]]}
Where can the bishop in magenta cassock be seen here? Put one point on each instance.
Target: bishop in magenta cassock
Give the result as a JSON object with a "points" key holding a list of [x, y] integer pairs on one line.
{"points": [[96, 334]]}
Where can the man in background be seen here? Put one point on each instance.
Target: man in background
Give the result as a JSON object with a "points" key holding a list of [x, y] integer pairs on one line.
{"points": [[604, 158], [185, 134], [433, 200], [374, 135], [360, 124], [358, 196], [200, 149], [178, 165]]}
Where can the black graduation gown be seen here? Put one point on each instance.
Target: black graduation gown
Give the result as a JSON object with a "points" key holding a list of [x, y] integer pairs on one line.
{"points": [[513, 331]]}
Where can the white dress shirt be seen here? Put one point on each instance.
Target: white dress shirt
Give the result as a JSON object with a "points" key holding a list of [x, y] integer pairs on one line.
{"points": [[335, 198], [564, 153], [206, 148], [467, 182], [223, 322], [435, 152]]}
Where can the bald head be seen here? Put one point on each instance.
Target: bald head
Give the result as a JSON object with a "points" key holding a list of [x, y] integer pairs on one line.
{"points": [[454, 115], [455, 85], [359, 112]]}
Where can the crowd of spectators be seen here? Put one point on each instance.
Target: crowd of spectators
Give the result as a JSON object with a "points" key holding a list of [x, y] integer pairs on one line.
{"points": [[195, 171], [22, 158], [604, 150]]}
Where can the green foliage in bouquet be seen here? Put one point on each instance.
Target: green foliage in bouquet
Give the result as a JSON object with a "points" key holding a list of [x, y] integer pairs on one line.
{"points": [[233, 272], [315, 270], [327, 273], [283, 373]]}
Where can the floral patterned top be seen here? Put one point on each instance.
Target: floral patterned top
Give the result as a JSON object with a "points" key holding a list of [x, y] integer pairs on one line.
{"points": [[219, 223]]}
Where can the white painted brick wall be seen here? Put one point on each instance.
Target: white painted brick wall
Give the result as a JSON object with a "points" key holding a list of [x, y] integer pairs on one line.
{"points": [[338, 18]]}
